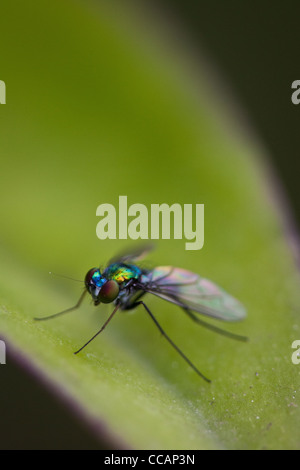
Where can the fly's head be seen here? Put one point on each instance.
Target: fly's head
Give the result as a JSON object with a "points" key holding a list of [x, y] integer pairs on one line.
{"points": [[101, 289]]}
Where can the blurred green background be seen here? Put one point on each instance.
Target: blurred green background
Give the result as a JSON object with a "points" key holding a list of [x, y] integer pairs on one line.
{"points": [[122, 98], [253, 46]]}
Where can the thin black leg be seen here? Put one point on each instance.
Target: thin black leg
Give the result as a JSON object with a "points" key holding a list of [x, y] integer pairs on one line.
{"points": [[64, 311], [171, 342], [101, 329], [214, 328]]}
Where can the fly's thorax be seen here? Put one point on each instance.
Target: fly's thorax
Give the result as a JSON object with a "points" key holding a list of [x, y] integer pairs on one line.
{"points": [[121, 272], [128, 298]]}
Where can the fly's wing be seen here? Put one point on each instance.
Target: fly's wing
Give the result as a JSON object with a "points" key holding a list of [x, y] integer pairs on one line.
{"points": [[133, 255], [189, 290]]}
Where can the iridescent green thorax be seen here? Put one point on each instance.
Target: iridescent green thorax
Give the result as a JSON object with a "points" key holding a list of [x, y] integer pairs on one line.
{"points": [[120, 272]]}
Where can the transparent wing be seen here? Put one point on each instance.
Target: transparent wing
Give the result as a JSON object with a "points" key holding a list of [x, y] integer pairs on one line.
{"points": [[189, 290], [133, 255]]}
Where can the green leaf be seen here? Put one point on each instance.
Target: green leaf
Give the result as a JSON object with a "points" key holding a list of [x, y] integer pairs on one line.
{"points": [[98, 107]]}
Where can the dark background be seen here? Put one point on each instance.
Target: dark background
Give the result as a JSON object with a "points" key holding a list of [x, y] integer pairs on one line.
{"points": [[255, 46]]}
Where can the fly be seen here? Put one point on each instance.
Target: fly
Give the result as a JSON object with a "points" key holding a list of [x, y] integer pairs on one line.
{"points": [[124, 283]]}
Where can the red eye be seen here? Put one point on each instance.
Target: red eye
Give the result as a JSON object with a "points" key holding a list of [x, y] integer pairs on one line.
{"points": [[89, 276], [109, 292]]}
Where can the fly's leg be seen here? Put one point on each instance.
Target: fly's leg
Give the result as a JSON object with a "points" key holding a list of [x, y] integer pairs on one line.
{"points": [[214, 328], [169, 340], [64, 311], [101, 329]]}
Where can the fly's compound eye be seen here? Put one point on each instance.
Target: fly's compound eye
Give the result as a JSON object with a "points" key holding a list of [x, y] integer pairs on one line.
{"points": [[91, 277], [108, 292]]}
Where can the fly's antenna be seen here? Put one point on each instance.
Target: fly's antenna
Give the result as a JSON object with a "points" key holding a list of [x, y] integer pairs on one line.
{"points": [[65, 277]]}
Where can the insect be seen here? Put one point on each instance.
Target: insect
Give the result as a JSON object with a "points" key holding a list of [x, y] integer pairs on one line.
{"points": [[125, 284]]}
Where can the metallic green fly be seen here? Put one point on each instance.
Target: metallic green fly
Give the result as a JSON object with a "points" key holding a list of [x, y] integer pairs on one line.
{"points": [[125, 284]]}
